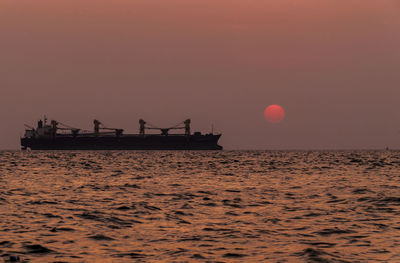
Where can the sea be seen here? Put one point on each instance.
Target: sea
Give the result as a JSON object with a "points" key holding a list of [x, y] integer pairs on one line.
{"points": [[200, 206]]}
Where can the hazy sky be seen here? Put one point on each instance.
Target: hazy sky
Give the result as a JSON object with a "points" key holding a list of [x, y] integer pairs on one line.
{"points": [[333, 65]]}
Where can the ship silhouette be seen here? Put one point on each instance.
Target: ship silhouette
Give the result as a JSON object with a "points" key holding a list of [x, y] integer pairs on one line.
{"points": [[59, 136]]}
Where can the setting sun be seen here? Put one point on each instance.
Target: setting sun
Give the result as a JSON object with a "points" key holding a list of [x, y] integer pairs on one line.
{"points": [[274, 113]]}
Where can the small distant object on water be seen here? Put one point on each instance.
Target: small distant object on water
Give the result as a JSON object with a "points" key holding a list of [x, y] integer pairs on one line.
{"points": [[59, 136], [13, 259]]}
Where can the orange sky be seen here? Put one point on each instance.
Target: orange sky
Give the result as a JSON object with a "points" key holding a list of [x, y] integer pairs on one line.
{"points": [[333, 66]]}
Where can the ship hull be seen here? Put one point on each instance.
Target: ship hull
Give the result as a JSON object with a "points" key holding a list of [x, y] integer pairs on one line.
{"points": [[125, 142]]}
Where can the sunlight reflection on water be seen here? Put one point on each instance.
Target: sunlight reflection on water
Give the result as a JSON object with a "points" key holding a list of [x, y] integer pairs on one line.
{"points": [[190, 206]]}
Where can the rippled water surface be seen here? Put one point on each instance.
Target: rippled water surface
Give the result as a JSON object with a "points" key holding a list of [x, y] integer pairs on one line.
{"points": [[229, 206]]}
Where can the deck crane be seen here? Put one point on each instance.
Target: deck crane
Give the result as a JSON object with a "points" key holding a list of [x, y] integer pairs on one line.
{"points": [[99, 126], [64, 127], [164, 131]]}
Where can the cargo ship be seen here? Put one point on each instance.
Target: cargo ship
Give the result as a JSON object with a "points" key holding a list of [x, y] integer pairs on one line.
{"points": [[59, 136]]}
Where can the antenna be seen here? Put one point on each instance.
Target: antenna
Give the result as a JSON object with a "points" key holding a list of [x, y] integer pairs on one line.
{"points": [[212, 128]]}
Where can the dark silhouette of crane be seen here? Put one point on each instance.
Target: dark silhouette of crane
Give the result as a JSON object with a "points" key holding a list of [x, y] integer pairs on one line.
{"points": [[99, 126], [165, 131]]}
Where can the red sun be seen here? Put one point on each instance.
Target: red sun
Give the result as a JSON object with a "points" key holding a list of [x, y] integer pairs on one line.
{"points": [[274, 113]]}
